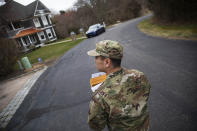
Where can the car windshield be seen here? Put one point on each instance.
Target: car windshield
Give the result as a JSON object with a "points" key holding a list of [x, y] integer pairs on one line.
{"points": [[93, 26]]}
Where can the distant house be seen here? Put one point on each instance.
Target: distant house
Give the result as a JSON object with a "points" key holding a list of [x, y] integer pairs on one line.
{"points": [[29, 25]]}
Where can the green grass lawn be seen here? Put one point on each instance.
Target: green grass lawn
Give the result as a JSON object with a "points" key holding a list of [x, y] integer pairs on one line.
{"points": [[51, 51], [69, 38], [187, 32]]}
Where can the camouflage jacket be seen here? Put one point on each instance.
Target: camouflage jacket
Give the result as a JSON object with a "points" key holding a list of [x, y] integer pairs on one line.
{"points": [[121, 102]]}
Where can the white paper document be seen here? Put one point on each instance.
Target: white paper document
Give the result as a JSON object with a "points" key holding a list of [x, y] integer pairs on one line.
{"points": [[94, 88]]}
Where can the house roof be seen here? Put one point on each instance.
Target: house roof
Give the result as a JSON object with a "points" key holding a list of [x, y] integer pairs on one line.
{"points": [[26, 32], [32, 7], [14, 11]]}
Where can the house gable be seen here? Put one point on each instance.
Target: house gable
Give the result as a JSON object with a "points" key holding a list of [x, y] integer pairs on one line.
{"points": [[40, 8]]}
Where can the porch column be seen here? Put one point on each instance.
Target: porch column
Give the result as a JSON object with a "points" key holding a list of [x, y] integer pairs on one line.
{"points": [[23, 43], [39, 40], [12, 25], [29, 39], [53, 31]]}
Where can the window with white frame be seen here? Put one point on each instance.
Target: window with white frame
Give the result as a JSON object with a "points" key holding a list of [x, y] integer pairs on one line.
{"points": [[49, 33], [44, 20], [41, 35], [36, 22], [49, 19]]}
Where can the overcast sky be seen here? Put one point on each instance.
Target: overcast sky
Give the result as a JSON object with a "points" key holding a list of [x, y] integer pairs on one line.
{"points": [[2, 2], [56, 5]]}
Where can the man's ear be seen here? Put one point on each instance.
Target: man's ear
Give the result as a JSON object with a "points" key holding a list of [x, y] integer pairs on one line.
{"points": [[107, 62]]}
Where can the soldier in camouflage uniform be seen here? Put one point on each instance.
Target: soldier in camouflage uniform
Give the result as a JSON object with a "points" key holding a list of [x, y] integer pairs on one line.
{"points": [[121, 101]]}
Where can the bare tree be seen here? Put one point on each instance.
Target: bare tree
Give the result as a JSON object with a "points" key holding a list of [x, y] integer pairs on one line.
{"points": [[88, 12], [9, 53], [171, 11]]}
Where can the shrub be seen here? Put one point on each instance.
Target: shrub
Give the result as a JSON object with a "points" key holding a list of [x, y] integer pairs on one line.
{"points": [[9, 53]]}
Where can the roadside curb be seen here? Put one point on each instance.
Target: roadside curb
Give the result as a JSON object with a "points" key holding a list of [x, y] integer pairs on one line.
{"points": [[9, 111]]}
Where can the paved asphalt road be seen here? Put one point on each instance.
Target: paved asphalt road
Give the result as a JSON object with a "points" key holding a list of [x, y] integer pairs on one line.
{"points": [[59, 100]]}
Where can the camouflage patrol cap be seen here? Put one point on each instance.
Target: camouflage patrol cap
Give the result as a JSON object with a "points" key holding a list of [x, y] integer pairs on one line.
{"points": [[107, 48]]}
